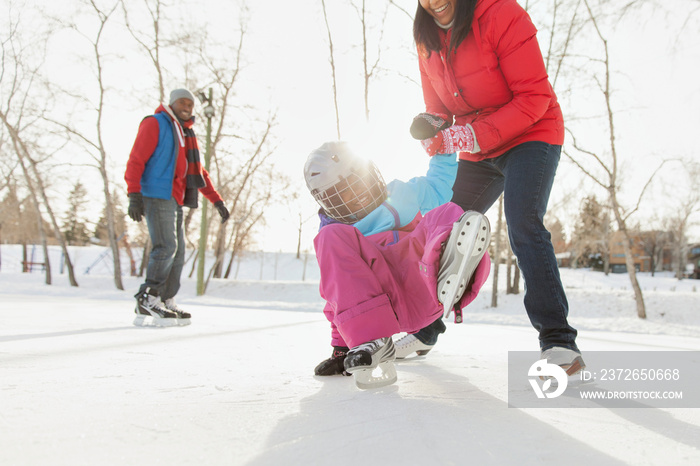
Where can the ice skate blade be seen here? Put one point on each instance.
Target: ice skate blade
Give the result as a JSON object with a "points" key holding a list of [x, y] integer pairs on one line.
{"points": [[184, 322], [152, 321], [466, 246], [365, 379]]}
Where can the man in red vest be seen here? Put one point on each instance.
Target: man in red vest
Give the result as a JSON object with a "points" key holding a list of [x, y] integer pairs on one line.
{"points": [[163, 174]]}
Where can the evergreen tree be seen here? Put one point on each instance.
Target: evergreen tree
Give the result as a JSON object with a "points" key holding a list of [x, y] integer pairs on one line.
{"points": [[590, 241], [74, 228]]}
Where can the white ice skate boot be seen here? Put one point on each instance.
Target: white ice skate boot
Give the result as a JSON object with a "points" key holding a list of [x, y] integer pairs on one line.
{"points": [[409, 344], [362, 361], [465, 247], [150, 311], [183, 318], [569, 360]]}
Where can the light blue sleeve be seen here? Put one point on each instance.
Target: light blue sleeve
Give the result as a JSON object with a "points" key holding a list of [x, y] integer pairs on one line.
{"points": [[407, 198]]}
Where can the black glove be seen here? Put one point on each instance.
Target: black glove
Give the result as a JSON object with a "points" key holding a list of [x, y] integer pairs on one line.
{"points": [[334, 364], [135, 206], [426, 126], [223, 211]]}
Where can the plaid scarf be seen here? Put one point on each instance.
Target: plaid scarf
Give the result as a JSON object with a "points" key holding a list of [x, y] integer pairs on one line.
{"points": [[194, 177]]}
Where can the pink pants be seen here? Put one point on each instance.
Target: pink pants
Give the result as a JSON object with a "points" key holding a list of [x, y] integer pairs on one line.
{"points": [[374, 291]]}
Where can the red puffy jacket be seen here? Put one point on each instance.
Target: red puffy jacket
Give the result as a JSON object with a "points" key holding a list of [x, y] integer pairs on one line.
{"points": [[495, 80]]}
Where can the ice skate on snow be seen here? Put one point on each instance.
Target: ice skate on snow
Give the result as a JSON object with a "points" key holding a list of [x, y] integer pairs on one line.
{"points": [[150, 311], [465, 247], [372, 364], [183, 317], [409, 344], [569, 360]]}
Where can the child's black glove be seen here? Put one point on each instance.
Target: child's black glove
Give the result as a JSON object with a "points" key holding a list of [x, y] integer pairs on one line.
{"points": [[334, 364]]}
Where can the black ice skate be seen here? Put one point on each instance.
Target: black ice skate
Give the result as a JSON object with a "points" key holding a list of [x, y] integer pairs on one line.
{"points": [[465, 247], [150, 311], [364, 360], [183, 318]]}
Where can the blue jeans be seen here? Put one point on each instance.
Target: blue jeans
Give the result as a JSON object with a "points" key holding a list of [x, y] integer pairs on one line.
{"points": [[164, 220], [524, 175]]}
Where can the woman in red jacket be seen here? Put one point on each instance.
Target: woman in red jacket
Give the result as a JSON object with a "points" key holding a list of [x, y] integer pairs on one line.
{"points": [[482, 67]]}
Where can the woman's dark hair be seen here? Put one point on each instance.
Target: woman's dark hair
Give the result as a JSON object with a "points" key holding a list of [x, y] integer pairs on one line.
{"points": [[425, 31]]}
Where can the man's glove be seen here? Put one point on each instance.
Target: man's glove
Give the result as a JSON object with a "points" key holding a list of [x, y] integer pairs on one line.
{"points": [[223, 211], [452, 139], [426, 125], [335, 364], [135, 206]]}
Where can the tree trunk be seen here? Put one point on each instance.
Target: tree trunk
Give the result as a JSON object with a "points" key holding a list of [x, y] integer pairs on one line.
{"points": [[629, 260], [299, 238], [219, 250], [332, 63], [509, 263], [35, 184], [111, 231], [144, 257], [497, 254]]}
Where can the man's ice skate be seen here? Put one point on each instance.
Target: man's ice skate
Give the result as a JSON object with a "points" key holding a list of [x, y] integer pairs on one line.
{"points": [[409, 344], [183, 318], [150, 311], [465, 247], [372, 364], [569, 360]]}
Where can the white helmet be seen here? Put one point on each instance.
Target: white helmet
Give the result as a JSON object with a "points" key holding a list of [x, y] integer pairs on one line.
{"points": [[347, 187]]}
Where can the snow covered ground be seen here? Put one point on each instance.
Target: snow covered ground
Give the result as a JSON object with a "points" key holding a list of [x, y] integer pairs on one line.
{"points": [[80, 385]]}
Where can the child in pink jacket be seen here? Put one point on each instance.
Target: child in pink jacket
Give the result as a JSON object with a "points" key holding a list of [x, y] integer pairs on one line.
{"points": [[392, 280]]}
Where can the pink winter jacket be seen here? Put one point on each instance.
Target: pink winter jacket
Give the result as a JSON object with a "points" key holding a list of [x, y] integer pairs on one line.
{"points": [[375, 287]]}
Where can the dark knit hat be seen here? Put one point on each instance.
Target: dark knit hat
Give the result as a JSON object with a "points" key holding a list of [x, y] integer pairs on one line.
{"points": [[181, 94]]}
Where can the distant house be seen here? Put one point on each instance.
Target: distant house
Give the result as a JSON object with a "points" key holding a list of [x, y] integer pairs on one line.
{"points": [[563, 259], [642, 262], [665, 257], [694, 258]]}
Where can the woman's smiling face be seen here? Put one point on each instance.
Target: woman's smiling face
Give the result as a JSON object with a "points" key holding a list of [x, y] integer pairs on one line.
{"points": [[442, 10]]}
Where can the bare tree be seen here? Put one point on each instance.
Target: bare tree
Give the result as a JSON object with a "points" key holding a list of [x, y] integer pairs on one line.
{"points": [[653, 242], [331, 59], [22, 60], [497, 252], [40, 221], [241, 147], [401, 9], [608, 174], [512, 272], [369, 69], [687, 205], [94, 146], [30, 167], [151, 44]]}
